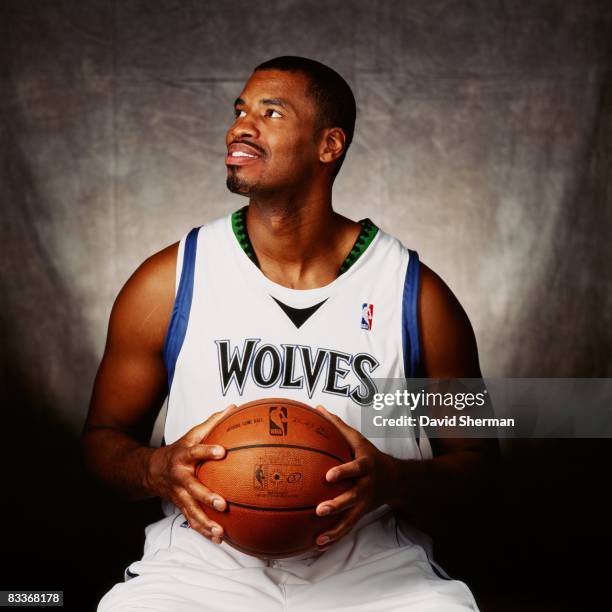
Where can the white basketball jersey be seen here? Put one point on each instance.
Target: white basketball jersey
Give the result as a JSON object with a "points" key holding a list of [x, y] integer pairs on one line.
{"points": [[236, 336]]}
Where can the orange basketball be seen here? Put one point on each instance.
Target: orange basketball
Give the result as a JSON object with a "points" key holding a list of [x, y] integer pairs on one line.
{"points": [[273, 476]]}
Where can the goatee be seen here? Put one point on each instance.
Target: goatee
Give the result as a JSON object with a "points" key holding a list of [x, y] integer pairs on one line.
{"points": [[236, 184]]}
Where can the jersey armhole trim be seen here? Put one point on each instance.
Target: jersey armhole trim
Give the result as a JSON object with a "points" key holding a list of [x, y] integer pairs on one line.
{"points": [[179, 319], [410, 322]]}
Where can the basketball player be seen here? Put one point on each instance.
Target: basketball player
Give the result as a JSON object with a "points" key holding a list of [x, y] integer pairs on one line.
{"points": [[283, 298]]}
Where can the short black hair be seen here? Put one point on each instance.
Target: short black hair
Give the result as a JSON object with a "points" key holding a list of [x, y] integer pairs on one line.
{"points": [[332, 94]]}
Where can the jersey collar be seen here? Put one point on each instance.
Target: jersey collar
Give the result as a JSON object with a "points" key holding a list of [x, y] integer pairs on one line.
{"points": [[364, 239]]}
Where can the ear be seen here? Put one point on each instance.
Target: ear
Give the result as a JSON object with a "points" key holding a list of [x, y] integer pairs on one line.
{"points": [[332, 145]]}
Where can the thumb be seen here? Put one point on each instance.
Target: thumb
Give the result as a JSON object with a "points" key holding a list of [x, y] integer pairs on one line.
{"points": [[197, 434], [352, 436]]}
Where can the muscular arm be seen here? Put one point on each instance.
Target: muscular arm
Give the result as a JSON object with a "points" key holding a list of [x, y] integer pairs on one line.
{"points": [[424, 492], [130, 386], [460, 467], [129, 390]]}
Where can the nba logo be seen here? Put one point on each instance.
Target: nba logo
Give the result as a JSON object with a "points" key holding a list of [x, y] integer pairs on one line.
{"points": [[367, 313], [278, 421]]}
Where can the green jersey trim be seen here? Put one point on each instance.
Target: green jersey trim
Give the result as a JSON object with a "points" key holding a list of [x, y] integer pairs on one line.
{"points": [[366, 235], [240, 231]]}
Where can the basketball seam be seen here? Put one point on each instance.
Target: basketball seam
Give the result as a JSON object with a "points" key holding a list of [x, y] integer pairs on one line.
{"points": [[276, 400], [297, 446], [269, 508]]}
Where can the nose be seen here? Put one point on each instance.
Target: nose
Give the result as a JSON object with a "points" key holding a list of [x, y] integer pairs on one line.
{"points": [[243, 127]]}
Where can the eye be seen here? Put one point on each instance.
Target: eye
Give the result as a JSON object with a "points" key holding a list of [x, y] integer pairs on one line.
{"points": [[270, 113], [239, 113]]}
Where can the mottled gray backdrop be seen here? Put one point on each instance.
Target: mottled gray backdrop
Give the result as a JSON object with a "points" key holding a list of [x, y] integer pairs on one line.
{"points": [[483, 141]]}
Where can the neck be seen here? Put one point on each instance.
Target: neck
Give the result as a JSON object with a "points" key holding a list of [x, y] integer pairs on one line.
{"points": [[300, 244]]}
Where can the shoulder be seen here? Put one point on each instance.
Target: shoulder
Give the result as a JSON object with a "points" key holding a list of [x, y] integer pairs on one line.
{"points": [[438, 302], [447, 339], [143, 307], [156, 275]]}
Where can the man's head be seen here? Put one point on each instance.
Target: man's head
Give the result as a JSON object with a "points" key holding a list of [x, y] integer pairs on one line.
{"points": [[295, 120]]}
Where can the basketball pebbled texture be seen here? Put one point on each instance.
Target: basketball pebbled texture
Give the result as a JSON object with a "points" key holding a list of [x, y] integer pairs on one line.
{"points": [[273, 476]]}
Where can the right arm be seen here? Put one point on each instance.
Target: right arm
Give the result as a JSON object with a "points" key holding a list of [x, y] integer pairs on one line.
{"points": [[129, 390]]}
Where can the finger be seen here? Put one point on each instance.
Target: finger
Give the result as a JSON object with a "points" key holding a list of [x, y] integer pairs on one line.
{"points": [[202, 452], [205, 532], [199, 432], [197, 518], [352, 435], [201, 528], [342, 528], [343, 502], [204, 495], [353, 469]]}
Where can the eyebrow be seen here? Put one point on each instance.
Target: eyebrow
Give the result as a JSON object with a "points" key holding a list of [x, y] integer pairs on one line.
{"points": [[268, 102]]}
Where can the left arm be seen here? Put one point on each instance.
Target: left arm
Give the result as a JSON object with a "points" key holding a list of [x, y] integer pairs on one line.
{"points": [[420, 490]]}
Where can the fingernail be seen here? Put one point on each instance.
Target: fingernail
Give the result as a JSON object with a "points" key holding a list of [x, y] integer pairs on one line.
{"points": [[218, 504], [323, 540], [332, 475], [216, 531], [218, 451], [324, 510]]}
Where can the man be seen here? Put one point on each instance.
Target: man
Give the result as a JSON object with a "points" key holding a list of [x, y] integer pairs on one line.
{"points": [[347, 303]]}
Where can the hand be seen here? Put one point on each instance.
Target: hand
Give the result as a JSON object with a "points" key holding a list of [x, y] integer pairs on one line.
{"points": [[375, 474], [171, 475]]}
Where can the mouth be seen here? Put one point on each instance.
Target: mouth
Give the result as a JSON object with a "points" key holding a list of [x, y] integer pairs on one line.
{"points": [[241, 154]]}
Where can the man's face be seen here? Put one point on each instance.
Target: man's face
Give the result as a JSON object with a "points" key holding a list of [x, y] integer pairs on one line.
{"points": [[271, 144]]}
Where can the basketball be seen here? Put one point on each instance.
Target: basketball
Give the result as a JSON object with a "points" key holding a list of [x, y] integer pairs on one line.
{"points": [[273, 476]]}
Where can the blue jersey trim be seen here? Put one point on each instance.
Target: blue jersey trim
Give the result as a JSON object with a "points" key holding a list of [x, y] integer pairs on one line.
{"points": [[182, 306], [410, 322]]}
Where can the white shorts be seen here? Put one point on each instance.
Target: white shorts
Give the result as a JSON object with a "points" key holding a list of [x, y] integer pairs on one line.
{"points": [[376, 567]]}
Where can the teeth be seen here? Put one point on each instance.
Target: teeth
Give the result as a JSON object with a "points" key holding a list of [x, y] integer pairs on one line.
{"points": [[241, 154]]}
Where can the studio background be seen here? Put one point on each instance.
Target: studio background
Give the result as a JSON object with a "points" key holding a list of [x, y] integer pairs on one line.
{"points": [[483, 141]]}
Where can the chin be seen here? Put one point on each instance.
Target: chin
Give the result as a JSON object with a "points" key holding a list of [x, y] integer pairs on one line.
{"points": [[238, 185]]}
